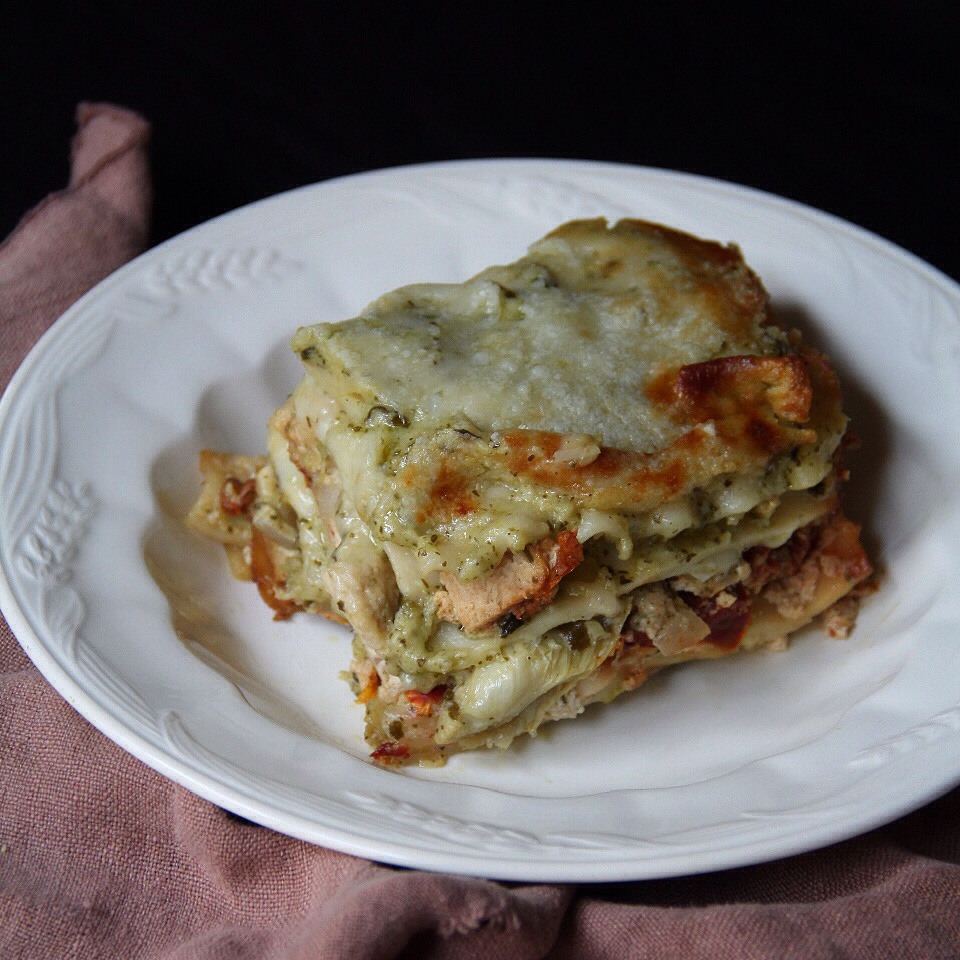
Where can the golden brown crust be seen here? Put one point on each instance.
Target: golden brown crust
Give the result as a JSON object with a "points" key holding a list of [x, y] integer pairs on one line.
{"points": [[519, 585], [264, 573], [736, 414]]}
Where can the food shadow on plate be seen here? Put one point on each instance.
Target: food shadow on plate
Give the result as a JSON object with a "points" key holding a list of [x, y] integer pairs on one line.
{"points": [[277, 667]]}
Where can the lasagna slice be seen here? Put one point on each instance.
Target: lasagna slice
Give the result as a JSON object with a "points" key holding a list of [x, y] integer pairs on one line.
{"points": [[530, 491]]}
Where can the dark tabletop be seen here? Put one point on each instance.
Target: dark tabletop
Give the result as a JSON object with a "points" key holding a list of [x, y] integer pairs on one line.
{"points": [[849, 107]]}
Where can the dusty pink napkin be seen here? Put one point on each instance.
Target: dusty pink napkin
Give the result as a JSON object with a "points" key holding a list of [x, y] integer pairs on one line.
{"points": [[102, 858]]}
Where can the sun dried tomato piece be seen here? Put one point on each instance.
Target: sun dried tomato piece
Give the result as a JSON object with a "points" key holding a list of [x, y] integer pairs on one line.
{"points": [[423, 703], [236, 496], [391, 750], [635, 638], [727, 621]]}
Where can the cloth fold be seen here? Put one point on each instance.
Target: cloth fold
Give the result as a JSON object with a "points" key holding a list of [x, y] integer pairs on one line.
{"points": [[101, 857], [74, 238]]}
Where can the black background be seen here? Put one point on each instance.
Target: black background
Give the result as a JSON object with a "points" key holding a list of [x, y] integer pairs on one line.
{"points": [[850, 107]]}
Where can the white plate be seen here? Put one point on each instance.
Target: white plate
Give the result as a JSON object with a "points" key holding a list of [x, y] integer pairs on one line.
{"points": [[711, 765]]}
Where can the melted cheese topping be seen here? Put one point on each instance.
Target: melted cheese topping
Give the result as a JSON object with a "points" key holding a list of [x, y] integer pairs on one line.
{"points": [[565, 340]]}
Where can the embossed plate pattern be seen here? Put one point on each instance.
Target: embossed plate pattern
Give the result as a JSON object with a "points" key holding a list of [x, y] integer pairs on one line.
{"points": [[713, 765]]}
